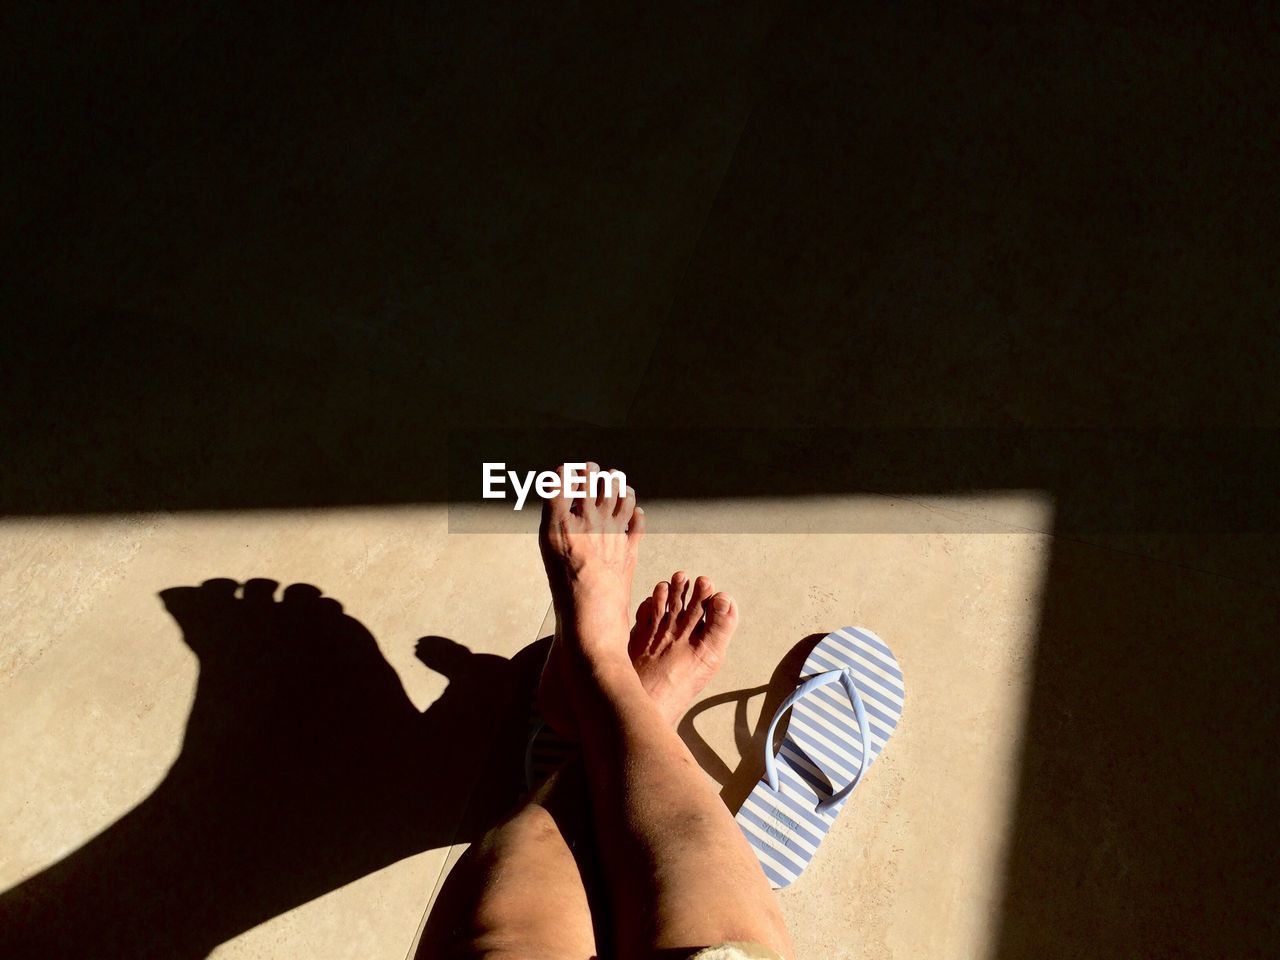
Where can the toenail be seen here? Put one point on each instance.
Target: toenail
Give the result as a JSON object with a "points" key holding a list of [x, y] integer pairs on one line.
{"points": [[721, 604]]}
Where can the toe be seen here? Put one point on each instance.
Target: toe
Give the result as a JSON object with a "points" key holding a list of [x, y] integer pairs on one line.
{"points": [[716, 630], [644, 613], [556, 507], [608, 497], [679, 584], [635, 531], [642, 632], [702, 591], [590, 502], [661, 591], [625, 508]]}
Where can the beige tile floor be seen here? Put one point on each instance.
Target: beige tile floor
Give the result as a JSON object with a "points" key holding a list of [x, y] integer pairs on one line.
{"points": [[97, 683]]}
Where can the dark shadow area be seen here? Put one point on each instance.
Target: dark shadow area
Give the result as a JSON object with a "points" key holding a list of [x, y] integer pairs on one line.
{"points": [[303, 768], [1145, 808], [247, 253], [282, 261], [281, 258]]}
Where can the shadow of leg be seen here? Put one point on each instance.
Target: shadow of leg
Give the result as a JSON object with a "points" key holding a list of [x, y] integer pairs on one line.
{"points": [[304, 766]]}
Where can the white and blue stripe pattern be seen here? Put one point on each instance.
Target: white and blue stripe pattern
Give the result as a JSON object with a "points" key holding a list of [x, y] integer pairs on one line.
{"points": [[822, 751]]}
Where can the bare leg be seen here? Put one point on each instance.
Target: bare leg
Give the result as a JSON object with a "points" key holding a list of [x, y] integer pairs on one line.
{"points": [[679, 873], [678, 870], [519, 891], [518, 894]]}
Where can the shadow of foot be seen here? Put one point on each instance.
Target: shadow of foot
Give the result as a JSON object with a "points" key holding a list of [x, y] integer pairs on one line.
{"points": [[304, 767]]}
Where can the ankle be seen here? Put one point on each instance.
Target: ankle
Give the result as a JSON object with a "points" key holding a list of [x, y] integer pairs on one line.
{"points": [[594, 622], [601, 673]]}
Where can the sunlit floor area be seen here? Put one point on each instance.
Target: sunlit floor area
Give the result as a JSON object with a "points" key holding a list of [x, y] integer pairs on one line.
{"points": [[99, 684]]}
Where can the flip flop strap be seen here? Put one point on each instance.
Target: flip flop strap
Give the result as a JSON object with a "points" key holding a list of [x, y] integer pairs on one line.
{"points": [[845, 679]]}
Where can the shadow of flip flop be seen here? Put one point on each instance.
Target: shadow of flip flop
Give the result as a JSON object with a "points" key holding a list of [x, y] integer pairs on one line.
{"points": [[736, 783]]}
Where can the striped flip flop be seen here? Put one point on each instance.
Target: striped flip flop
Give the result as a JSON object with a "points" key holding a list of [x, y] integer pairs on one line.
{"points": [[847, 704]]}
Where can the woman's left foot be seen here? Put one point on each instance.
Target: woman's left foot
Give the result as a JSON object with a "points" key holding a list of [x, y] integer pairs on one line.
{"points": [[589, 549], [679, 640]]}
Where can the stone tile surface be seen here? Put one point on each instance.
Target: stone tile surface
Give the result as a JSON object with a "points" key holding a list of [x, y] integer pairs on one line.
{"points": [[913, 867], [928, 834], [98, 690]]}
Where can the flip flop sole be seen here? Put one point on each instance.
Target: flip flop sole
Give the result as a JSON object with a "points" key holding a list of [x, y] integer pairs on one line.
{"points": [[821, 751]]}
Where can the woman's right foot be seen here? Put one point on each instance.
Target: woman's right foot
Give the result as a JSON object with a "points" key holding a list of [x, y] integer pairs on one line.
{"points": [[681, 631], [589, 549], [680, 638]]}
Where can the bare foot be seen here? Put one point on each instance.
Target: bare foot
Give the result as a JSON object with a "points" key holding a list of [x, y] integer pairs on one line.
{"points": [[679, 640], [677, 644], [589, 549]]}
